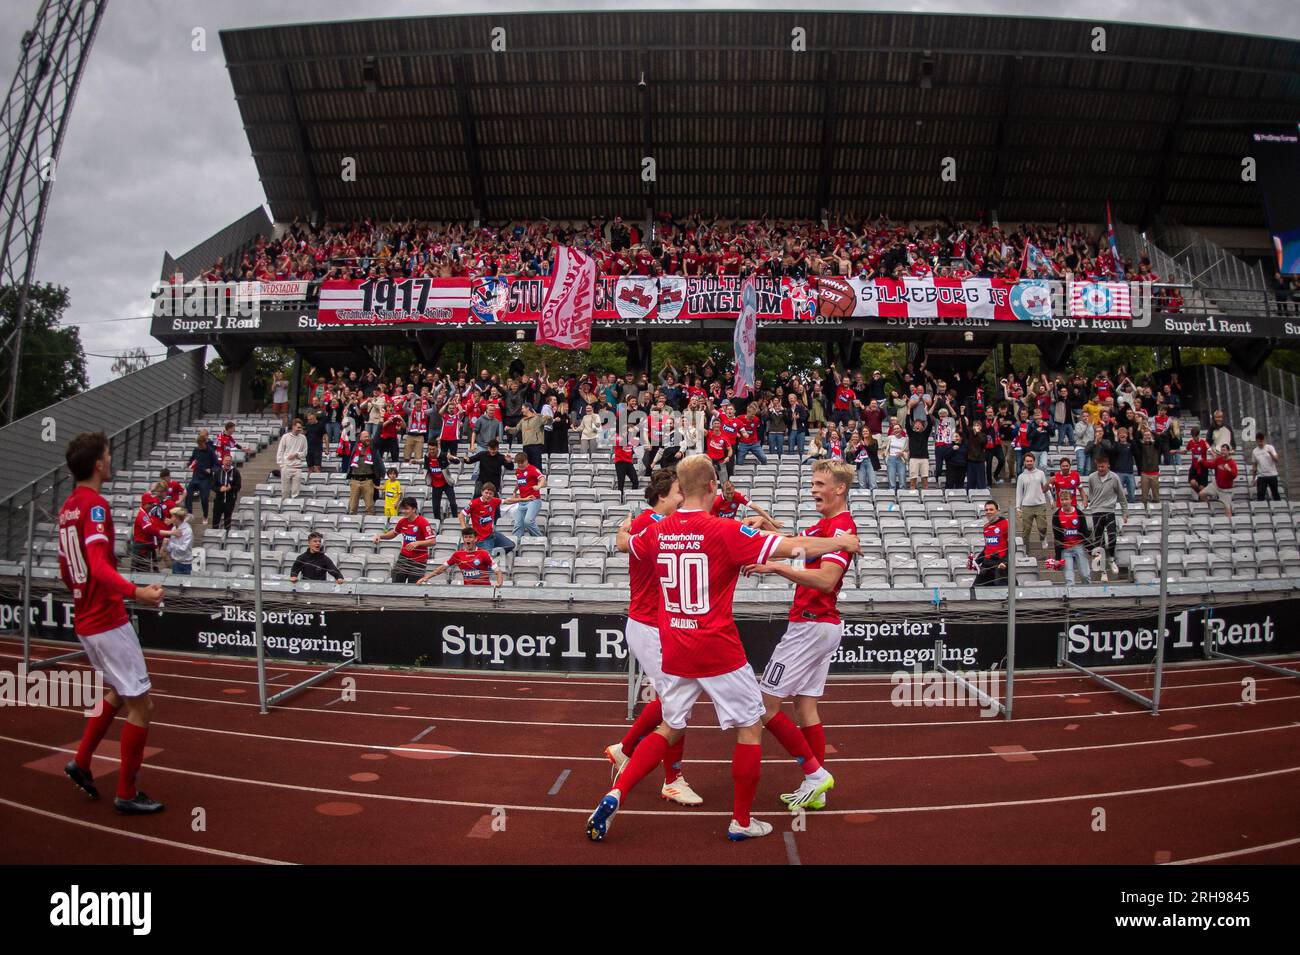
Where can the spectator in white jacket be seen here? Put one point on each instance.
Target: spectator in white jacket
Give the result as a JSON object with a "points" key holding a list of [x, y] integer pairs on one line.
{"points": [[291, 456]]}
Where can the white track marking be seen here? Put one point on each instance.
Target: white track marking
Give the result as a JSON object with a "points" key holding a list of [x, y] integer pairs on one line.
{"points": [[622, 727], [620, 680], [189, 847], [623, 699], [1234, 853], [988, 754], [892, 810]]}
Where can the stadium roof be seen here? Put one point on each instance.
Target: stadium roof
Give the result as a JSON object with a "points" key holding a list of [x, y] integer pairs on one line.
{"points": [[1040, 126]]}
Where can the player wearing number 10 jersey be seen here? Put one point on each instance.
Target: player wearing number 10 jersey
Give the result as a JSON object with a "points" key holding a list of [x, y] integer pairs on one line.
{"points": [[801, 661], [698, 558], [89, 569]]}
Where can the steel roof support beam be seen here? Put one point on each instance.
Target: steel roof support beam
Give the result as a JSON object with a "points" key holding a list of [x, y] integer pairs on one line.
{"points": [[1168, 152], [471, 139], [318, 210], [829, 86]]}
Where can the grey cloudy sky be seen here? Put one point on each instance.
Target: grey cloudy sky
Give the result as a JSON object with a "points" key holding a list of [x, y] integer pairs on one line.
{"points": [[155, 156]]}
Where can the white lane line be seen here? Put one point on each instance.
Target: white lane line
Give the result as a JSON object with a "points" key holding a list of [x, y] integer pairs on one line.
{"points": [[622, 727], [705, 703], [142, 837], [791, 850], [573, 810], [1235, 852], [424, 732], [984, 754], [559, 781]]}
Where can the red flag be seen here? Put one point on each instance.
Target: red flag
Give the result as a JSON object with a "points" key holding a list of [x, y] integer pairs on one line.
{"points": [[571, 303]]}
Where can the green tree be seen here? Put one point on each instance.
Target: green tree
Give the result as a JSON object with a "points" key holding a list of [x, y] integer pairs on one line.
{"points": [[53, 362]]}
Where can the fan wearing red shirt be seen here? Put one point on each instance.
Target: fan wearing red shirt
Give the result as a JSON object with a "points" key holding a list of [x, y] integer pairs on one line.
{"points": [[474, 563], [417, 537], [801, 661], [528, 495], [1067, 485], [393, 423], [482, 514], [664, 496], [150, 528], [1225, 474], [729, 501], [89, 569], [718, 448], [226, 443], [450, 434], [698, 559], [624, 469], [992, 562]]}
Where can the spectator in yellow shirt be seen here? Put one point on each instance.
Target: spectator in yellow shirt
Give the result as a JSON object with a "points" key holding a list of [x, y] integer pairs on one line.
{"points": [[392, 494]]}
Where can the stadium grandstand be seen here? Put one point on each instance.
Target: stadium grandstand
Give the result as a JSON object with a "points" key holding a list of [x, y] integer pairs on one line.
{"points": [[977, 223]]}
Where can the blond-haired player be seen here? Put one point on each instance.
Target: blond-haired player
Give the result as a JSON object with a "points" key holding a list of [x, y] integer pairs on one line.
{"points": [[802, 659]]}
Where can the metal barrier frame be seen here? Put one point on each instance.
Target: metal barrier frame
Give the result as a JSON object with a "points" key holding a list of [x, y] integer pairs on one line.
{"points": [[1153, 702], [1003, 707], [1210, 653], [264, 702]]}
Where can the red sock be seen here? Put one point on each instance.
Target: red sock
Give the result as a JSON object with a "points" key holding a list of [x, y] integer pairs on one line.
{"points": [[133, 738], [816, 737], [746, 759], [673, 761], [96, 727], [648, 755], [788, 735], [644, 725]]}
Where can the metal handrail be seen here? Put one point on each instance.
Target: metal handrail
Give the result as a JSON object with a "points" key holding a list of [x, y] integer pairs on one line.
{"points": [[48, 485]]}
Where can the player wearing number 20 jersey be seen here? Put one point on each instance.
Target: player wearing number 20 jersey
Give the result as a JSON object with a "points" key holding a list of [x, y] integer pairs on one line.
{"points": [[698, 559], [642, 633]]}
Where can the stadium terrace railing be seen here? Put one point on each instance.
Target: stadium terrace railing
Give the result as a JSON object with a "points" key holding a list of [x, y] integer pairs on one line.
{"points": [[46, 493], [1249, 409]]}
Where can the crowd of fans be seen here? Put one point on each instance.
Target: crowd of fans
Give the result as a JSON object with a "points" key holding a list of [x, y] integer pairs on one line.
{"points": [[695, 244]]}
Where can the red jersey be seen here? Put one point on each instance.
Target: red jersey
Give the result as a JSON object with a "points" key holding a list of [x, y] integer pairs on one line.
{"points": [[481, 516], [1066, 486], [88, 565], [716, 448], [622, 453], [810, 603], [1199, 449], [450, 424], [728, 508], [643, 579], [1072, 528], [526, 479], [392, 422], [409, 530], [475, 568], [148, 523], [226, 444], [436, 476], [995, 538], [698, 559], [729, 428], [419, 423], [844, 398], [1225, 471], [746, 429]]}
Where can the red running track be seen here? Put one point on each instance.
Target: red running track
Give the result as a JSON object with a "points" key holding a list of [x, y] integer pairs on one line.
{"points": [[426, 767]]}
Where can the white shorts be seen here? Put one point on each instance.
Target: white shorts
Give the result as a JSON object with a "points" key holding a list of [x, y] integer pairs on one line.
{"points": [[643, 642], [735, 697], [1221, 494], [918, 468], [802, 659], [117, 655]]}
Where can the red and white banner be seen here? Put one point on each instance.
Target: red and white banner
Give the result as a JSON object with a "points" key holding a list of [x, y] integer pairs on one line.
{"points": [[928, 297], [1100, 300], [290, 290], [571, 302]]}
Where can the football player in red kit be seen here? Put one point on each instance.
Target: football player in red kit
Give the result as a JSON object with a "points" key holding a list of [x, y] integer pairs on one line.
{"points": [[89, 569], [642, 631], [697, 558], [801, 661]]}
